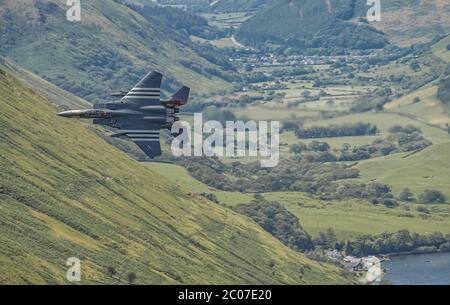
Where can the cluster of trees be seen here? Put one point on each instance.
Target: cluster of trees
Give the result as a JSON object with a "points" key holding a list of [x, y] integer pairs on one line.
{"points": [[328, 240], [401, 241], [374, 192], [278, 221], [429, 196], [374, 100], [356, 129], [319, 179], [400, 139], [210, 197]]}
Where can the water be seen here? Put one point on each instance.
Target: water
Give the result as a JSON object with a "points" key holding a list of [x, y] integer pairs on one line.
{"points": [[423, 269]]}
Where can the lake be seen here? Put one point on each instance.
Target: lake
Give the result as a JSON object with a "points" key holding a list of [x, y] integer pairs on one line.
{"points": [[423, 269]]}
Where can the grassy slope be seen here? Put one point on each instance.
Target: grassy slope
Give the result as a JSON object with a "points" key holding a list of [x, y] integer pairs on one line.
{"points": [[440, 49], [350, 218], [398, 170], [125, 47], [51, 92], [308, 20], [429, 109], [427, 169], [404, 22], [180, 176], [430, 168], [407, 22], [65, 192], [384, 121]]}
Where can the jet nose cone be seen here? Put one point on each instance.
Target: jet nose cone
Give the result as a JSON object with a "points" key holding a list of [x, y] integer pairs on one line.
{"points": [[70, 114], [65, 114]]}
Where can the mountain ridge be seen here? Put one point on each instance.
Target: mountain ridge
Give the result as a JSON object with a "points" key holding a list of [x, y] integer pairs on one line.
{"points": [[312, 24], [109, 49]]}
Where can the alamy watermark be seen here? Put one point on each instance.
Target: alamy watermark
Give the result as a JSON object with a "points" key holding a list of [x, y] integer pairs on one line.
{"points": [[236, 139], [73, 14], [73, 274], [374, 12], [374, 270]]}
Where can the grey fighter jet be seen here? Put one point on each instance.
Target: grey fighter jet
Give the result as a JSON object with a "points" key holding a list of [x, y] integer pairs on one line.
{"points": [[140, 115]]}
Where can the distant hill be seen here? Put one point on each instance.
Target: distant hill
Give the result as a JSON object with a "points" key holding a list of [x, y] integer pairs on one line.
{"points": [[110, 49], [64, 192], [312, 24], [407, 22], [342, 23]]}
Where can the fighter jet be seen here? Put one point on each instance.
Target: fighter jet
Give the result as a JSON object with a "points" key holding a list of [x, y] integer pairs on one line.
{"points": [[140, 114]]}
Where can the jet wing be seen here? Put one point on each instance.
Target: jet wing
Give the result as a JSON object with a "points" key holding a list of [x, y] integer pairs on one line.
{"points": [[146, 92], [152, 148], [143, 134]]}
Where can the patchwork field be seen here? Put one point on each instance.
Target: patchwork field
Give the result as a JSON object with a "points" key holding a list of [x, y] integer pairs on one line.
{"points": [[427, 169]]}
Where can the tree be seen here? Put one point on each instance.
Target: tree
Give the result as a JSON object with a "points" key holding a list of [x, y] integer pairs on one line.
{"points": [[346, 147], [290, 126], [306, 94], [278, 221], [432, 196], [407, 195], [348, 249], [298, 148], [111, 271], [331, 236], [131, 278], [318, 146]]}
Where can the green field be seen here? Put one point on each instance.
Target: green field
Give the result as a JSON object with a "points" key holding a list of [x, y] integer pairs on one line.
{"points": [[440, 49], [384, 121], [429, 109], [427, 169], [350, 218]]}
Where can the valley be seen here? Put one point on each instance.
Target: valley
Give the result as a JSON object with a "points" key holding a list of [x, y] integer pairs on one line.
{"points": [[364, 163]]}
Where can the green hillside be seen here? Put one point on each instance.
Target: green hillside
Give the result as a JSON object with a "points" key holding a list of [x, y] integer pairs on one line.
{"points": [[110, 49], [407, 22], [341, 23], [54, 94], [312, 24], [64, 192], [427, 169]]}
